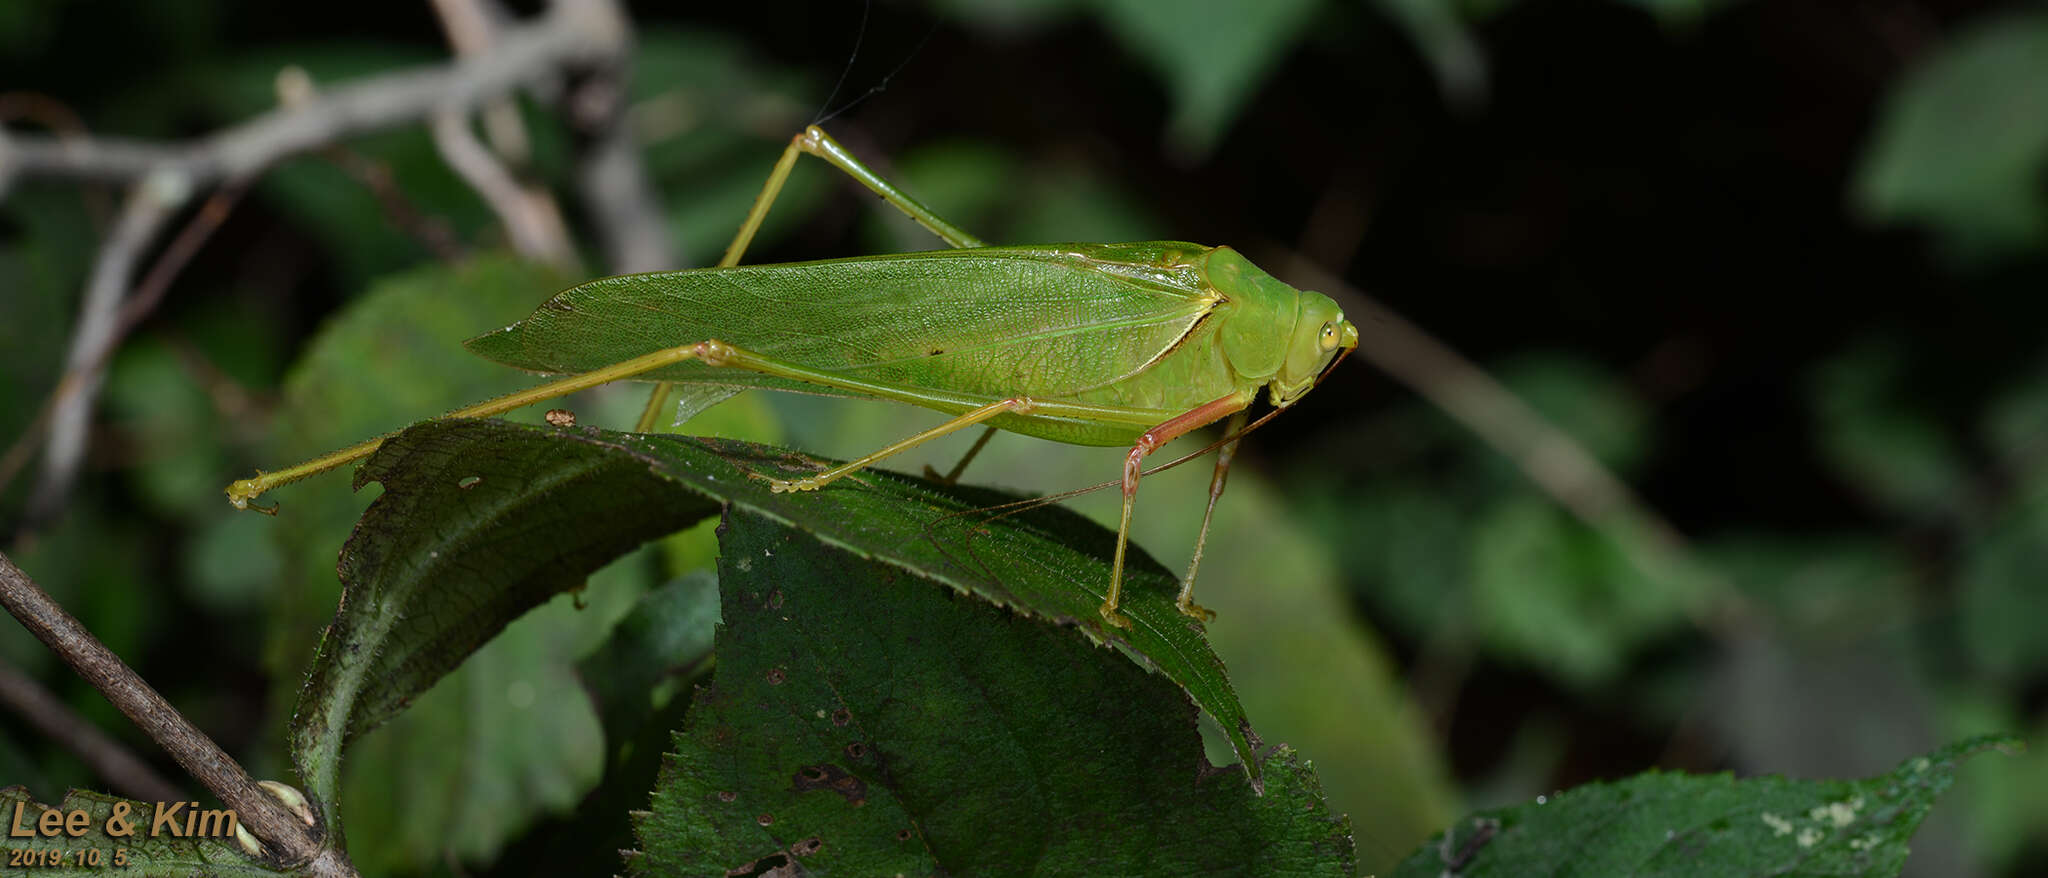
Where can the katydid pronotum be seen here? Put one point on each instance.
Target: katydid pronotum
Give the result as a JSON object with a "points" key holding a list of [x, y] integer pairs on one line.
{"points": [[1091, 344]]}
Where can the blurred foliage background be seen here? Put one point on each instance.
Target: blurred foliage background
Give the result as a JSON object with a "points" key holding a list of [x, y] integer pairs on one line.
{"points": [[1781, 268]]}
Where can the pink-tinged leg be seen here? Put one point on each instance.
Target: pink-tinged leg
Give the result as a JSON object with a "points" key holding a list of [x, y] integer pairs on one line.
{"points": [[1153, 440]]}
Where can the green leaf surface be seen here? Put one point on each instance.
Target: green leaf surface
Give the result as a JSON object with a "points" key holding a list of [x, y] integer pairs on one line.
{"points": [[1962, 142], [509, 735], [863, 722], [1045, 562], [146, 856], [464, 540], [1876, 430], [1704, 825], [668, 632], [1212, 54]]}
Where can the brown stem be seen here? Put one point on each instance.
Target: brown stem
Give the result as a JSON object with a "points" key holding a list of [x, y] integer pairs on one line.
{"points": [[125, 772], [283, 835]]}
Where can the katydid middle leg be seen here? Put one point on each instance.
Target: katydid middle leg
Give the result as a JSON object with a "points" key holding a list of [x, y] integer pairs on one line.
{"points": [[1134, 464], [1186, 601]]}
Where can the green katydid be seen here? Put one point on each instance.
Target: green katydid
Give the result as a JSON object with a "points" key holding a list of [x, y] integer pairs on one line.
{"points": [[1090, 344]]}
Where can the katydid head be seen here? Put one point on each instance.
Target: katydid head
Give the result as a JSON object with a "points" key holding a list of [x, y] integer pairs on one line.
{"points": [[1277, 334], [1321, 335]]}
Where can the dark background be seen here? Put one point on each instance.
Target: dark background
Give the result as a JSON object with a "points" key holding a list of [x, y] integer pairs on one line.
{"points": [[1779, 266]]}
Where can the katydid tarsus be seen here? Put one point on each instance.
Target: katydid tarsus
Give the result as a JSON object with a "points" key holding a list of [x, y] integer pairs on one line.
{"points": [[1091, 344]]}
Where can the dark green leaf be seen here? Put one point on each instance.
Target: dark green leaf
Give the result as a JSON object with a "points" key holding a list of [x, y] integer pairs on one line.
{"points": [[465, 539], [146, 855], [1876, 432], [1212, 54], [667, 633], [1695, 825], [510, 734], [864, 722], [1044, 562], [1962, 142]]}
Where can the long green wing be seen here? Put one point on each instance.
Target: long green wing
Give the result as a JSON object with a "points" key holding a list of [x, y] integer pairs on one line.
{"points": [[985, 323]]}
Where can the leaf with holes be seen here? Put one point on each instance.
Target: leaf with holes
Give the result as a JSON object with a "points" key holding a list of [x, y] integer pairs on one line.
{"points": [[1693, 825], [466, 537], [863, 722], [592, 491]]}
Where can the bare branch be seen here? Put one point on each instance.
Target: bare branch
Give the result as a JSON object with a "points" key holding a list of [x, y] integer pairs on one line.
{"points": [[125, 772], [149, 206], [282, 832], [620, 199], [527, 210], [565, 38], [529, 213], [130, 313], [1550, 457], [573, 35]]}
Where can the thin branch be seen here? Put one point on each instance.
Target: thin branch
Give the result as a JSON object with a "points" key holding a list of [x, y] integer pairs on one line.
{"points": [[573, 35], [431, 232], [624, 209], [282, 832], [149, 205], [567, 37], [528, 213], [472, 26], [1549, 456], [527, 210], [621, 200], [128, 315], [123, 771]]}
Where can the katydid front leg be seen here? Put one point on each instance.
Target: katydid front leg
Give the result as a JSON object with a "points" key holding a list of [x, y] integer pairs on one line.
{"points": [[1134, 464]]}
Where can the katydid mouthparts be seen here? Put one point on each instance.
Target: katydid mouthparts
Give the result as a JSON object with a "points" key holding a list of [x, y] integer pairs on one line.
{"points": [[1090, 344]]}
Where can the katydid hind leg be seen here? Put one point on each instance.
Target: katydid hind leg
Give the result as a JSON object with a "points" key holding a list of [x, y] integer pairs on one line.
{"points": [[813, 141], [1134, 463], [1186, 601], [243, 491], [952, 476]]}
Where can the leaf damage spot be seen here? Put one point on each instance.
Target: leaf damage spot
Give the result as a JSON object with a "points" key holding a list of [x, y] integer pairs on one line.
{"points": [[842, 716], [561, 417], [468, 482], [765, 819], [856, 750], [775, 865], [902, 835], [828, 776], [807, 847], [1809, 837], [776, 676], [775, 599], [727, 796], [1779, 825], [1840, 813]]}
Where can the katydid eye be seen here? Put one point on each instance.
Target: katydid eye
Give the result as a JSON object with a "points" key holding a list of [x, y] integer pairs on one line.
{"points": [[1328, 336]]}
